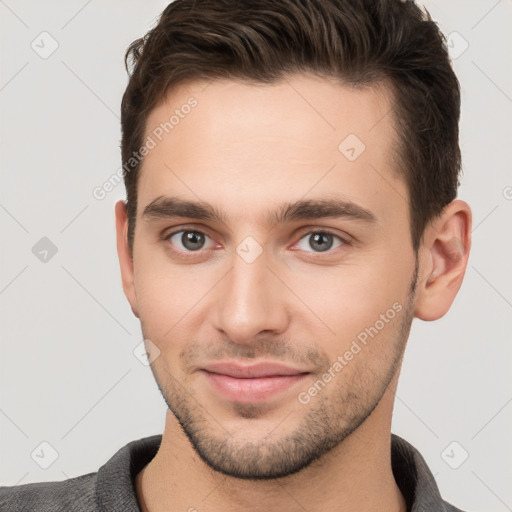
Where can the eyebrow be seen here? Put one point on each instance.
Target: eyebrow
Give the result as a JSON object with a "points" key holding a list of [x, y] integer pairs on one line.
{"points": [[171, 207]]}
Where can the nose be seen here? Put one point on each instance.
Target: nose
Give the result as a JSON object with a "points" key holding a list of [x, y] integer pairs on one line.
{"points": [[251, 301]]}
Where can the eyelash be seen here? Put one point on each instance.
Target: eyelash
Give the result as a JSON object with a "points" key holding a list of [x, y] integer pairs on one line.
{"points": [[194, 254]]}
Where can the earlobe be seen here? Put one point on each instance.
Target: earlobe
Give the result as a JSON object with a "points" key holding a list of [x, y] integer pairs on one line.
{"points": [[125, 256], [443, 260]]}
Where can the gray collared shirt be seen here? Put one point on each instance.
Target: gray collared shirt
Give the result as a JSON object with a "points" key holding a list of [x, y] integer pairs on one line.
{"points": [[112, 487]]}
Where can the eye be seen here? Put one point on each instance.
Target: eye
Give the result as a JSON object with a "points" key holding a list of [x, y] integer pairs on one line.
{"points": [[189, 240], [319, 241]]}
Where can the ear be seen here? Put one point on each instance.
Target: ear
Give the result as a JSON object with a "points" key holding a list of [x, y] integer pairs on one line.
{"points": [[443, 257], [125, 256]]}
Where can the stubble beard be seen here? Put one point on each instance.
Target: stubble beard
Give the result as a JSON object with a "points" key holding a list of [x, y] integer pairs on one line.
{"points": [[330, 419]]}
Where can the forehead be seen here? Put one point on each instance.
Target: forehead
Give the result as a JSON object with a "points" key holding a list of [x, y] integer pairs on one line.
{"points": [[250, 144]]}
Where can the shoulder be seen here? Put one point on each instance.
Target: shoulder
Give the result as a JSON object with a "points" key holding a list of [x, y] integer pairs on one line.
{"points": [[77, 494], [111, 488], [450, 508]]}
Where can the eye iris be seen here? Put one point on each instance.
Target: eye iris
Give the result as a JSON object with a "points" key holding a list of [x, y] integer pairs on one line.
{"points": [[192, 240], [321, 241]]}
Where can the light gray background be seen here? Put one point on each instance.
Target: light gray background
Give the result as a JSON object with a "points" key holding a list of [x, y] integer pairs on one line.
{"points": [[68, 373]]}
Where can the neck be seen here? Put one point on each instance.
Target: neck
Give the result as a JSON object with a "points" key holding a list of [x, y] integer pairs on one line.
{"points": [[356, 475]]}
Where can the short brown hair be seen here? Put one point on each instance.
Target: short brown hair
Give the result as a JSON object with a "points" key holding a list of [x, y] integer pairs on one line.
{"points": [[361, 42]]}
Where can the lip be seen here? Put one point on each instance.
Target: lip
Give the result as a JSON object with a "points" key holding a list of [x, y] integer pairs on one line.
{"points": [[258, 370], [252, 383]]}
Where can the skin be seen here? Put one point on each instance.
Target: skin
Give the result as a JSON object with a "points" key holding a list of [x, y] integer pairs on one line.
{"points": [[247, 150]]}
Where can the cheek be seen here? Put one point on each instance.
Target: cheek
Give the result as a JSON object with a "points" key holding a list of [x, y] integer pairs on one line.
{"points": [[348, 302], [169, 295]]}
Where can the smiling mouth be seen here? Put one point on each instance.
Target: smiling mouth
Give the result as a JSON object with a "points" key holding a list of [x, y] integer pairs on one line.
{"points": [[255, 383]]}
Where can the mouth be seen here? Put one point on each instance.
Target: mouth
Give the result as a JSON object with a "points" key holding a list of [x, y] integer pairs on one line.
{"points": [[252, 383]]}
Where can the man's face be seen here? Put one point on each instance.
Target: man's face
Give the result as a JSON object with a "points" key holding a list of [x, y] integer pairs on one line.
{"points": [[324, 290]]}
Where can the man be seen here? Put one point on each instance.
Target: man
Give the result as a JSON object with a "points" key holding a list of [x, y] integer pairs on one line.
{"points": [[291, 172]]}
